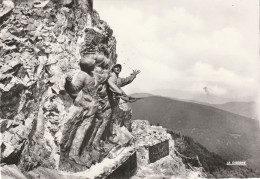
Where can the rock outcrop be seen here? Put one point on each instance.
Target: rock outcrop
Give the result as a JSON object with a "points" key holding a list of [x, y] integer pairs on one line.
{"points": [[42, 42], [156, 154], [129, 162]]}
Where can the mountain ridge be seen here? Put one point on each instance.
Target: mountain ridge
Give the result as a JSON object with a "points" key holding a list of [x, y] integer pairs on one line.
{"points": [[213, 106], [217, 106], [210, 98]]}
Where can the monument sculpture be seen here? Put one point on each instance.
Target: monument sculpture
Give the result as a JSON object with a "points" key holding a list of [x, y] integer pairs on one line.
{"points": [[115, 92]]}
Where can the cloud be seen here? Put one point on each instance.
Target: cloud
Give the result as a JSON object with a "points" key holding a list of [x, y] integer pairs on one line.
{"points": [[199, 88], [185, 45], [222, 80]]}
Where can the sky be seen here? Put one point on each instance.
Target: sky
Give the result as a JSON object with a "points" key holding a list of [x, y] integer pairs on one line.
{"points": [[187, 45]]}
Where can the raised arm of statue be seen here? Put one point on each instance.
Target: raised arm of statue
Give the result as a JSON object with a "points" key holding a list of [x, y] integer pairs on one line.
{"points": [[125, 81]]}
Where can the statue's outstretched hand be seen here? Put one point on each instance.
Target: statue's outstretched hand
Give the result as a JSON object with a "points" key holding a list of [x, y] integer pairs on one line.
{"points": [[136, 72], [124, 94]]}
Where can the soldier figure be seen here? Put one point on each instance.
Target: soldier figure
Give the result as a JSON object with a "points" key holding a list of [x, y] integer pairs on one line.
{"points": [[84, 88], [115, 92]]}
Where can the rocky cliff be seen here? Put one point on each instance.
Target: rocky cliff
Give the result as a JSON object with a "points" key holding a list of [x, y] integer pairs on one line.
{"points": [[42, 42]]}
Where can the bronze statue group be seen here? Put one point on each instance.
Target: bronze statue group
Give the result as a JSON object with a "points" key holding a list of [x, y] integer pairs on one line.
{"points": [[96, 92]]}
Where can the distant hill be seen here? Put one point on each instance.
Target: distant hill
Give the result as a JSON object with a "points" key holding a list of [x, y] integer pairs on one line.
{"points": [[173, 93], [141, 95], [199, 97], [232, 136], [245, 106], [247, 109]]}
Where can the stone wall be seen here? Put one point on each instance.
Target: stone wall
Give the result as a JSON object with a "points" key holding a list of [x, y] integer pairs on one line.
{"points": [[158, 151], [152, 142], [150, 154]]}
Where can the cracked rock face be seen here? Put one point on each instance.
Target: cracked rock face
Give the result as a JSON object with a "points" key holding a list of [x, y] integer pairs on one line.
{"points": [[41, 42]]}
